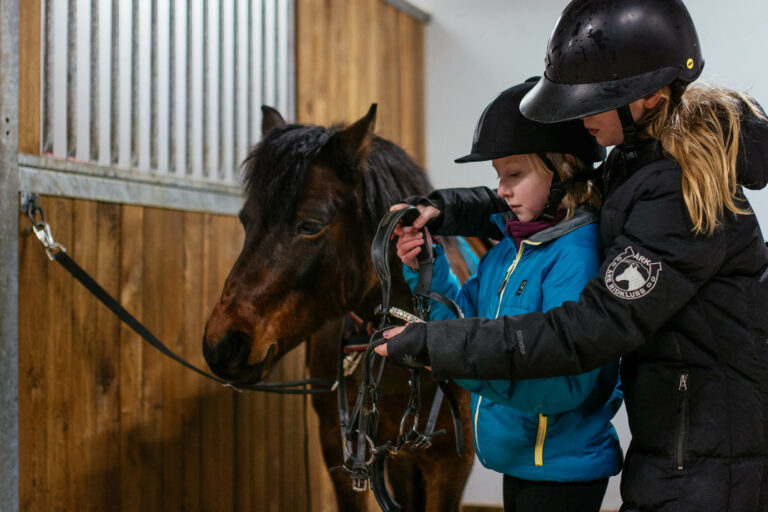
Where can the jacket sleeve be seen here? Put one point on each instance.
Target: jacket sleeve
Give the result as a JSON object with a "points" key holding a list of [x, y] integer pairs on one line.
{"points": [[605, 323], [574, 266], [445, 282], [467, 212]]}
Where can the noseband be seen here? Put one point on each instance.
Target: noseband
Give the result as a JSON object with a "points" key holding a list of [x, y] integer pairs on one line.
{"points": [[364, 456]]}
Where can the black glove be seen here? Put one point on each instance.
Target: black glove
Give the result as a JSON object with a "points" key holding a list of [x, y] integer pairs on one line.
{"points": [[434, 224], [409, 348], [463, 211]]}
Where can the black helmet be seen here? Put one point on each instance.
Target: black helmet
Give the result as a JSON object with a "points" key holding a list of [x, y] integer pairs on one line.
{"points": [[605, 54], [503, 131]]}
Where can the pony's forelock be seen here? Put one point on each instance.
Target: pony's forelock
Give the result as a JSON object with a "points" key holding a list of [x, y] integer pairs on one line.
{"points": [[276, 167], [275, 170]]}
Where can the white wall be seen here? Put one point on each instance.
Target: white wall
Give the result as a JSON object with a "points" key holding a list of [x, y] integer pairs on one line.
{"points": [[475, 49]]}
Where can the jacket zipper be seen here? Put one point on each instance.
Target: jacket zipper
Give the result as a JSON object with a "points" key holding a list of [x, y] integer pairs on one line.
{"points": [[542, 431], [511, 269], [682, 428], [538, 452], [477, 442]]}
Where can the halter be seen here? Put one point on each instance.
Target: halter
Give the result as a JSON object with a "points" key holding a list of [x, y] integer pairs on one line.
{"points": [[364, 456]]}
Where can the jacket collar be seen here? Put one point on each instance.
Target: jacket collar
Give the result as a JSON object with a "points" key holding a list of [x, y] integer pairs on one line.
{"points": [[623, 163], [581, 217]]}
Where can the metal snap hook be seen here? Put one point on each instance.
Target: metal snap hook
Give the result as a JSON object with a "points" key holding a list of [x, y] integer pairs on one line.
{"points": [[40, 227], [43, 232]]}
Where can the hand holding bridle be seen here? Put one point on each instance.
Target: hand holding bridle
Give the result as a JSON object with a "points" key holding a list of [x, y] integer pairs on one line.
{"points": [[409, 245], [388, 334], [426, 213], [382, 349]]}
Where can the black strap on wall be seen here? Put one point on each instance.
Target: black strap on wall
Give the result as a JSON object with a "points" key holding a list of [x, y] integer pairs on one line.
{"points": [[61, 257]]}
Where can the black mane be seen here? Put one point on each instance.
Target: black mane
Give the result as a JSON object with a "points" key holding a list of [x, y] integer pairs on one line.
{"points": [[276, 168]]}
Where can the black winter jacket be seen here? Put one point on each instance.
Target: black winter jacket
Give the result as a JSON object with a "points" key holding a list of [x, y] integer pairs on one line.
{"points": [[687, 314]]}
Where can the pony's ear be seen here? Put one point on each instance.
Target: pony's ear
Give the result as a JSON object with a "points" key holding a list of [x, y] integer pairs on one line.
{"points": [[270, 118], [355, 139]]}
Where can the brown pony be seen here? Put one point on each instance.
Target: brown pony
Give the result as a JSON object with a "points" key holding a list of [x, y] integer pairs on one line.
{"points": [[314, 199]]}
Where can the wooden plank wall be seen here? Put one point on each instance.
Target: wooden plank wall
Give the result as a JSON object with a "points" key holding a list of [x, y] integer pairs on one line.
{"points": [[106, 422], [352, 53]]}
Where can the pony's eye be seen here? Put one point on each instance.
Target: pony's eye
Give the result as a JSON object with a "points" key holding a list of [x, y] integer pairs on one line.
{"points": [[309, 227]]}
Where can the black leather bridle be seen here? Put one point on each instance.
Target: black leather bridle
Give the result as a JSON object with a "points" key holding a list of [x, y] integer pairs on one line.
{"points": [[364, 456]]}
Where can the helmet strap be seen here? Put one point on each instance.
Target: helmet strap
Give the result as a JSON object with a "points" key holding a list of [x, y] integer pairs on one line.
{"points": [[677, 89], [557, 189], [630, 129]]}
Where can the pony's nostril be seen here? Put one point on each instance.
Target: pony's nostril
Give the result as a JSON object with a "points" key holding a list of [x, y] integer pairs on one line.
{"points": [[228, 357], [239, 345]]}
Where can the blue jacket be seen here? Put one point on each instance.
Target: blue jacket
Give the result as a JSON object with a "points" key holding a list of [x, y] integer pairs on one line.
{"points": [[548, 429]]}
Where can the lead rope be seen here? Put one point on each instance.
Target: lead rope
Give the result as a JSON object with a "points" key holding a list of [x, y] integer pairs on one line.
{"points": [[364, 459], [58, 253]]}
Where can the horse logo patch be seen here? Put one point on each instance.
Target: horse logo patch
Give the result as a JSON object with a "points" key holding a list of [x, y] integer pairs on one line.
{"points": [[631, 276]]}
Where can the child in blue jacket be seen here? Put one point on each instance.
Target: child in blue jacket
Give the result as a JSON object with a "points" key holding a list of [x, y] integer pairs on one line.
{"points": [[552, 438]]}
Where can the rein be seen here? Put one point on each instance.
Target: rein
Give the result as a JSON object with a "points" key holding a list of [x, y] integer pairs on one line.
{"points": [[364, 457]]}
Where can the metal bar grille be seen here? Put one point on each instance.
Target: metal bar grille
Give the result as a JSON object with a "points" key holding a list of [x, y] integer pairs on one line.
{"points": [[164, 87]]}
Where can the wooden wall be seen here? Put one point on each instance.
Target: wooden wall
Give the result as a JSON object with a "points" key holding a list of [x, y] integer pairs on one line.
{"points": [[352, 53], [108, 423]]}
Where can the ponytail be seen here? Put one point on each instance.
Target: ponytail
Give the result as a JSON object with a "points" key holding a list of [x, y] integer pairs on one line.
{"points": [[700, 129]]}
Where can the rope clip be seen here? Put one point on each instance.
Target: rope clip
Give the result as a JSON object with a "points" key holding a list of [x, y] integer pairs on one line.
{"points": [[30, 205]]}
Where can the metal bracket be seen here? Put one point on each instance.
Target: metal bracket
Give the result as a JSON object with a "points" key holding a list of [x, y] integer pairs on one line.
{"points": [[29, 202]]}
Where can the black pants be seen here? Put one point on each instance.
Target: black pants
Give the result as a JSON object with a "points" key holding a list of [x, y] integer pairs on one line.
{"points": [[529, 496]]}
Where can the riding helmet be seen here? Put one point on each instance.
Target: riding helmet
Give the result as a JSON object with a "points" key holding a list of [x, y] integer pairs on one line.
{"points": [[503, 131], [604, 54]]}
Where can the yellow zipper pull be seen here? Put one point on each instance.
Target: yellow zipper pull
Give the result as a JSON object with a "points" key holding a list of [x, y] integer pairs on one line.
{"points": [[506, 278], [538, 451]]}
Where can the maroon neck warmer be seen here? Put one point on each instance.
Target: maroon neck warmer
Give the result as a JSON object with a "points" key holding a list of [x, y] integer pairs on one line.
{"points": [[520, 231]]}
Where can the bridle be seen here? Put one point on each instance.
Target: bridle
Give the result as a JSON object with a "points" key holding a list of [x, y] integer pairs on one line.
{"points": [[364, 456]]}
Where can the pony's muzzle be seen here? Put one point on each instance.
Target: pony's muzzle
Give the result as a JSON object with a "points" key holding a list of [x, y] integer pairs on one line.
{"points": [[228, 358]]}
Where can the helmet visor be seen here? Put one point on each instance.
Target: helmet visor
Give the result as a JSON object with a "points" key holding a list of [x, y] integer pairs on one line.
{"points": [[552, 102]]}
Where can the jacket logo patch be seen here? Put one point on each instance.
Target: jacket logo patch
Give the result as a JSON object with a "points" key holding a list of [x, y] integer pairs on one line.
{"points": [[522, 286], [631, 276]]}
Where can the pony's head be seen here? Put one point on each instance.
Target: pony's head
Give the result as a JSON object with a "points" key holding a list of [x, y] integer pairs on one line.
{"points": [[314, 196]]}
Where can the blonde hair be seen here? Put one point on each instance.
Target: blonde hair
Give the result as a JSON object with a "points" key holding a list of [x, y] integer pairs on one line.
{"points": [[701, 132], [579, 192]]}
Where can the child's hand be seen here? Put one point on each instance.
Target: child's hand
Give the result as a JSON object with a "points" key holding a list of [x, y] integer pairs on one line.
{"points": [[409, 245], [425, 214]]}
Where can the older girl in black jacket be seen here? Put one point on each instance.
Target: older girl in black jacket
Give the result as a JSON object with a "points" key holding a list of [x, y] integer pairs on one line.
{"points": [[682, 295]]}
